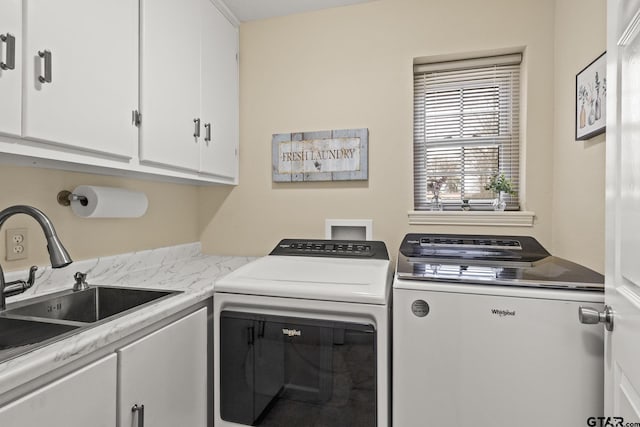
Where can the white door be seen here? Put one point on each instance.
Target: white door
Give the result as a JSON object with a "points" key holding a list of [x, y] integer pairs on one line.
{"points": [[86, 397], [218, 150], [166, 373], [11, 66], [170, 82], [622, 345], [91, 50]]}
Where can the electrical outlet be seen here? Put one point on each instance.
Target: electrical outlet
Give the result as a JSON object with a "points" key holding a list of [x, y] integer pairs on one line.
{"points": [[16, 244]]}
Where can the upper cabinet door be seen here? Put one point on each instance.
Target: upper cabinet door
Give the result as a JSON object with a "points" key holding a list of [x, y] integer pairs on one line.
{"points": [[81, 73], [219, 148], [10, 66], [170, 83]]}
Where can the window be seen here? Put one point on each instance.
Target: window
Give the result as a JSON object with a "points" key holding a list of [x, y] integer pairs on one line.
{"points": [[466, 129]]}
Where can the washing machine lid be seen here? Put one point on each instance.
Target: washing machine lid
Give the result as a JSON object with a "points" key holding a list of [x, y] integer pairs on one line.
{"points": [[489, 260], [342, 277]]}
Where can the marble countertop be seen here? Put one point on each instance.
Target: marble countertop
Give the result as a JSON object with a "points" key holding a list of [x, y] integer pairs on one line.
{"points": [[182, 268]]}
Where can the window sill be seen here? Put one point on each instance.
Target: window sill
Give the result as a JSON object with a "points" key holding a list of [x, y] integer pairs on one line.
{"points": [[488, 218]]}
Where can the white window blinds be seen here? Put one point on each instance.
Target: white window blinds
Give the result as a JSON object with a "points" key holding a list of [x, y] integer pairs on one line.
{"points": [[466, 129]]}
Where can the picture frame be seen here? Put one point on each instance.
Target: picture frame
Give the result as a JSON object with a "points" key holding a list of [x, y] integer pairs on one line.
{"points": [[591, 94], [331, 155]]}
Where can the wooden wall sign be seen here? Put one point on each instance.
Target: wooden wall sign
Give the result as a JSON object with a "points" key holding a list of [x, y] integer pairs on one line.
{"points": [[332, 155]]}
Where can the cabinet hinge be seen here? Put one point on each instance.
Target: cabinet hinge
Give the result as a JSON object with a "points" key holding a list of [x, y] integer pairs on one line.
{"points": [[136, 118], [237, 57]]}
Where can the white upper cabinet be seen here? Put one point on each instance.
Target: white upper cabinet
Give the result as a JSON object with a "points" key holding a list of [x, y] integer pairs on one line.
{"points": [[189, 87], [81, 74], [219, 94], [170, 82], [148, 88], [10, 66]]}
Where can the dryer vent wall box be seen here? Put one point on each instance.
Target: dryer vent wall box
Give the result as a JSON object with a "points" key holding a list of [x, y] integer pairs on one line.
{"points": [[348, 229]]}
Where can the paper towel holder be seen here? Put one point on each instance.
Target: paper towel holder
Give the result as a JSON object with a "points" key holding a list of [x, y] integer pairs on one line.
{"points": [[66, 197]]}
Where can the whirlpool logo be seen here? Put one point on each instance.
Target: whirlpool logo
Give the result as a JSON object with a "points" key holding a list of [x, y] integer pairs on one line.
{"points": [[291, 332], [503, 313]]}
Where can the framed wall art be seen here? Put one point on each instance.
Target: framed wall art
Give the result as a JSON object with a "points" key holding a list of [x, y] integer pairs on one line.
{"points": [[591, 94], [332, 155]]}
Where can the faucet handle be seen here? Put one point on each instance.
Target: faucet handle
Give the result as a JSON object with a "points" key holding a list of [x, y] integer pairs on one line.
{"points": [[31, 280], [19, 286], [81, 281]]}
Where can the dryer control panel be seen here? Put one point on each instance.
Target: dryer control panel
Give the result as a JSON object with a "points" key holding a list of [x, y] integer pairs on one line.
{"points": [[332, 248]]}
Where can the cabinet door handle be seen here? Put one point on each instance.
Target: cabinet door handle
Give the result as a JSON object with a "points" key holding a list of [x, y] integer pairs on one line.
{"points": [[140, 411], [46, 55], [136, 118], [207, 132], [196, 131], [11, 52]]}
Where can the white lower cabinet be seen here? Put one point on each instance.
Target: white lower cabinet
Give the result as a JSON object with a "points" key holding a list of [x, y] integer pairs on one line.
{"points": [[164, 376], [86, 397]]}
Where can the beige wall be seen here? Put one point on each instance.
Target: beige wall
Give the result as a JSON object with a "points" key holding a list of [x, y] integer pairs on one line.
{"points": [[351, 67], [347, 68], [170, 219], [578, 190]]}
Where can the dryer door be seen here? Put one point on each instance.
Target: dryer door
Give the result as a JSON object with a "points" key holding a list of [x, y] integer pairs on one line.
{"points": [[278, 370]]}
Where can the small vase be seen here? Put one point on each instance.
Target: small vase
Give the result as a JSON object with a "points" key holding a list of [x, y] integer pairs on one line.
{"points": [[598, 113], [498, 203], [583, 117], [436, 204]]}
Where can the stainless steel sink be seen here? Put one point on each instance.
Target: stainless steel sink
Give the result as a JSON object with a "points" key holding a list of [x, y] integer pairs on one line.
{"points": [[20, 335], [21, 332], [32, 323], [89, 305]]}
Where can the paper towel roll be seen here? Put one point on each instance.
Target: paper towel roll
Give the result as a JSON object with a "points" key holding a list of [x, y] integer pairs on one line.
{"points": [[108, 202]]}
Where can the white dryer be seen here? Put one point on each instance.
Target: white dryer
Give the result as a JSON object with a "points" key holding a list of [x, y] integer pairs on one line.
{"points": [[486, 333], [301, 337]]}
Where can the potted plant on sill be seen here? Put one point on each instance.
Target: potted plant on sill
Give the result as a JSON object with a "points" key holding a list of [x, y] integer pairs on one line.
{"points": [[500, 185]]}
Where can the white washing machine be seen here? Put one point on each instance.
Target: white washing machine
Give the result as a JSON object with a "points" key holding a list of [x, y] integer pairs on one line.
{"points": [[301, 337], [486, 333]]}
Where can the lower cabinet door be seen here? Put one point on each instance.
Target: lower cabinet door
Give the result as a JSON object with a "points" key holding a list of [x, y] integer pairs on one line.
{"points": [[163, 377], [83, 398]]}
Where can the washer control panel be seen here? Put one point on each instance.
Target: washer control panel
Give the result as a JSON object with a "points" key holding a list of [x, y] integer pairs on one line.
{"points": [[332, 248]]}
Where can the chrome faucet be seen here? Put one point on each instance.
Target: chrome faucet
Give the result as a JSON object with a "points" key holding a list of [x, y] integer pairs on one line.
{"points": [[57, 253]]}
